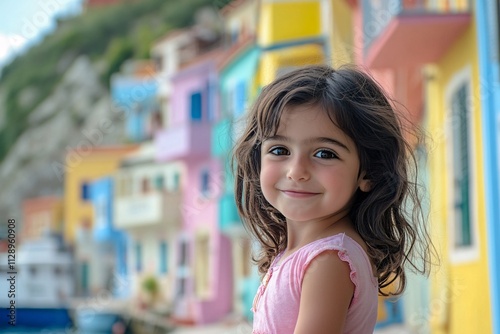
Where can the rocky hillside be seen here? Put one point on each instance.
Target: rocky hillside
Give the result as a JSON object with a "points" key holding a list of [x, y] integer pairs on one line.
{"points": [[56, 96], [70, 117]]}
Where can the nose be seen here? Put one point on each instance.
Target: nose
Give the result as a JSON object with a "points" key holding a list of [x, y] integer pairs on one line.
{"points": [[298, 169]]}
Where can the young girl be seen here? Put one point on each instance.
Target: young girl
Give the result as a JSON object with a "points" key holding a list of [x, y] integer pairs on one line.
{"points": [[322, 182]]}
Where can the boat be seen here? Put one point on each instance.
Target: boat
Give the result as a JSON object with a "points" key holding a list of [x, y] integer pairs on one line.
{"points": [[40, 285]]}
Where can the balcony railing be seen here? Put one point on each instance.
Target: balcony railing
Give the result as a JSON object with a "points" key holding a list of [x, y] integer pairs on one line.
{"points": [[377, 14], [152, 209], [186, 141], [407, 21]]}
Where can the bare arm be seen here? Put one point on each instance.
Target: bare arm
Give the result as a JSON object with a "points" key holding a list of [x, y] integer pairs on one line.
{"points": [[327, 291]]}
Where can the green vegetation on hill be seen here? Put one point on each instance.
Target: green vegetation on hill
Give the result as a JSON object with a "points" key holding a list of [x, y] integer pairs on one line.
{"points": [[113, 34]]}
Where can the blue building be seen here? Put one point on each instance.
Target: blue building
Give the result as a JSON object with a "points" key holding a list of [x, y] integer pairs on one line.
{"points": [[110, 271], [488, 31], [236, 80], [134, 92]]}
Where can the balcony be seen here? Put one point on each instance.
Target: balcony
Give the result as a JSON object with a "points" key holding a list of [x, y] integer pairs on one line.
{"points": [[407, 33], [152, 209], [187, 141]]}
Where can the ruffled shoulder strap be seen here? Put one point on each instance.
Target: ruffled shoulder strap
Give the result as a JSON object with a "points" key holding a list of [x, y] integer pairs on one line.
{"points": [[346, 251]]}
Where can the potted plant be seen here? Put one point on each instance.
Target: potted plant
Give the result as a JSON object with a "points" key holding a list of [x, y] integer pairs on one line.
{"points": [[151, 290]]}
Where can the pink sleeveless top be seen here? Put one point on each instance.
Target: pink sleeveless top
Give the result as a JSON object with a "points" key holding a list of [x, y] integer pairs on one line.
{"points": [[276, 304]]}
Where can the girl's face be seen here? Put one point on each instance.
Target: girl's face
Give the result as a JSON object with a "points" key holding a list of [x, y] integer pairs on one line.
{"points": [[309, 169]]}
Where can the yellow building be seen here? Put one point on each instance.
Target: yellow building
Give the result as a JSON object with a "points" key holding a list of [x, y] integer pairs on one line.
{"points": [[425, 56], [339, 25], [290, 34], [81, 167], [460, 293]]}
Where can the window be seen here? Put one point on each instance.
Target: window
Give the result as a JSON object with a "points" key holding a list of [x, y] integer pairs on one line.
{"points": [[138, 257], [84, 278], [159, 182], [177, 181], [122, 255], [85, 191], [247, 256], [196, 106], [205, 186], [181, 289], [202, 268], [461, 170], [211, 91], [145, 185], [183, 254], [163, 257]]}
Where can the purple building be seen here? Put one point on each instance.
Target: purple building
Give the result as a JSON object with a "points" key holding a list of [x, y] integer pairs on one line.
{"points": [[203, 279]]}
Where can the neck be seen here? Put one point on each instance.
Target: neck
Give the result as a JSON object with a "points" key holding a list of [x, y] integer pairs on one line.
{"points": [[300, 234]]}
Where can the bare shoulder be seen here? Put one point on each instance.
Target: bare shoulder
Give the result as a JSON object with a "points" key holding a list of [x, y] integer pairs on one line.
{"points": [[327, 291]]}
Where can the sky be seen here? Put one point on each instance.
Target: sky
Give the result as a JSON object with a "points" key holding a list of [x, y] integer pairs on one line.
{"points": [[25, 22]]}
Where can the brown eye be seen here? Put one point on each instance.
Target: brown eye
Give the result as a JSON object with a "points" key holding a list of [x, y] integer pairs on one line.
{"points": [[325, 154], [279, 151]]}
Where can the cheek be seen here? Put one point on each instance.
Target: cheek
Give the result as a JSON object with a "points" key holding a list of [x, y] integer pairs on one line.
{"points": [[269, 175], [339, 179]]}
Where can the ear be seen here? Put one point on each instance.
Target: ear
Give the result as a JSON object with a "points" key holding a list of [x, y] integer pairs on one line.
{"points": [[365, 185]]}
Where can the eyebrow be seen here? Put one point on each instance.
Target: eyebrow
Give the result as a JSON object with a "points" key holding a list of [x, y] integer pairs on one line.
{"points": [[326, 140]]}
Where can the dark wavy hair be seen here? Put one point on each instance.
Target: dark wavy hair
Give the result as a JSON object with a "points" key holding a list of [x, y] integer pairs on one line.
{"points": [[389, 217]]}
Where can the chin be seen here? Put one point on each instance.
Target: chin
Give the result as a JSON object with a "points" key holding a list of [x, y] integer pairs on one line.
{"points": [[300, 218]]}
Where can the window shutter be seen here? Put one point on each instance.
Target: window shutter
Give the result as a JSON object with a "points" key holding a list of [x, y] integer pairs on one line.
{"points": [[163, 257], [196, 106], [461, 167]]}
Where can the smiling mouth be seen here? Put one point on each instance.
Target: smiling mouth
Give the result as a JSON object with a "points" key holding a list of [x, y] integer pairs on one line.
{"points": [[298, 194]]}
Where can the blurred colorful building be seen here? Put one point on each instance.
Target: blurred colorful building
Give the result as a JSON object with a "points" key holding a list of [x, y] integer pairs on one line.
{"points": [[169, 53], [203, 277], [460, 300], [285, 46], [147, 194], [487, 16], [134, 92], [83, 166], [236, 88], [109, 243], [147, 206], [173, 198], [41, 216]]}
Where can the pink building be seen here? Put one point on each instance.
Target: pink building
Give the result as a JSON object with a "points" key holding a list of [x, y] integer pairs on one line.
{"points": [[401, 43], [395, 40], [203, 278]]}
